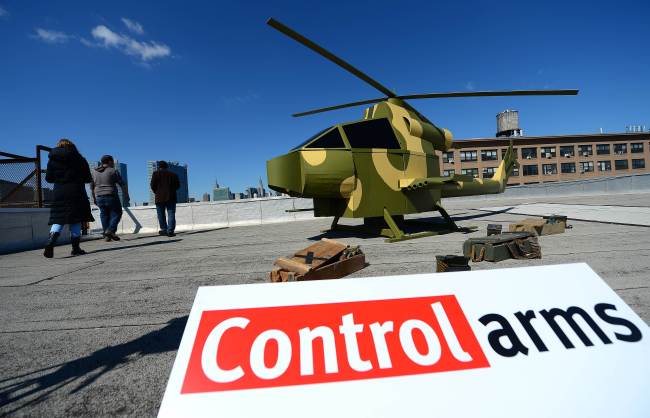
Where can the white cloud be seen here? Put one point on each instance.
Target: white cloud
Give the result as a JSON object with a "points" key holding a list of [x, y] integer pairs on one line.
{"points": [[241, 99], [145, 51], [3, 12], [133, 26], [51, 36], [107, 36], [469, 86]]}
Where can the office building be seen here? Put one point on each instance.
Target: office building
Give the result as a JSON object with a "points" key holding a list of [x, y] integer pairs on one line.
{"points": [[260, 189], [220, 193], [546, 159], [122, 169], [182, 194], [206, 197]]}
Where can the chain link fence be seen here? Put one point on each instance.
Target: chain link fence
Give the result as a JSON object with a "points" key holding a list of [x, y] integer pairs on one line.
{"points": [[22, 180]]}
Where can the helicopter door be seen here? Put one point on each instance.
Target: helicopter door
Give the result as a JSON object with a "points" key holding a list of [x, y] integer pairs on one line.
{"points": [[327, 167], [379, 164]]}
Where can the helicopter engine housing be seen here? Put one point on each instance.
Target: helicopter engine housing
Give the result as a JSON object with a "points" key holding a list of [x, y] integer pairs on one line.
{"points": [[441, 139]]}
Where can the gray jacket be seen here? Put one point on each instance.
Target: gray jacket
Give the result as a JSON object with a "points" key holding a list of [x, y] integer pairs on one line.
{"points": [[105, 180]]}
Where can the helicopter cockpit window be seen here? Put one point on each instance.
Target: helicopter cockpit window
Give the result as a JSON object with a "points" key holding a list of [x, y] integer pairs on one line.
{"points": [[311, 138], [332, 139], [374, 133]]}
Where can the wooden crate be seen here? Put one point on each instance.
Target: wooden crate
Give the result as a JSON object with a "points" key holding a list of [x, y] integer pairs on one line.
{"points": [[326, 259]]}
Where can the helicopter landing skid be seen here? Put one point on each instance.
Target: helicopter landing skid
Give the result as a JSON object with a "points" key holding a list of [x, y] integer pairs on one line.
{"points": [[394, 233]]}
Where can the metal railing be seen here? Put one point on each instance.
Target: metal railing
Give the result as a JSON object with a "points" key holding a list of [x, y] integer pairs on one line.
{"points": [[22, 183]]}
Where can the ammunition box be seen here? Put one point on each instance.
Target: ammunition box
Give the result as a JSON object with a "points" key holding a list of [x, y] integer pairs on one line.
{"points": [[538, 226], [518, 245]]}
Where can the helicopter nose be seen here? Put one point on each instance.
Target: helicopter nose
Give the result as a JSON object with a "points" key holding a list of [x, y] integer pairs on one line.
{"points": [[284, 174]]}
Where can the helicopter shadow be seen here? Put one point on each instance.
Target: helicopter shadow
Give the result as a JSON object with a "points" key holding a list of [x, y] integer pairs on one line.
{"points": [[484, 214], [409, 226], [83, 371], [435, 224]]}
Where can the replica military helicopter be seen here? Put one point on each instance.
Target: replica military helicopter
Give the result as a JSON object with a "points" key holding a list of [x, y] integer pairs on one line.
{"points": [[383, 166]]}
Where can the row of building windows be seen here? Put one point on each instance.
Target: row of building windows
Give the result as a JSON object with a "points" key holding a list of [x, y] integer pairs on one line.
{"points": [[549, 169], [530, 153]]}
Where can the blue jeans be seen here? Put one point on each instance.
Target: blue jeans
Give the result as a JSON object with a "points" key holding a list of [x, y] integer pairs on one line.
{"points": [[166, 224], [110, 212], [75, 229]]}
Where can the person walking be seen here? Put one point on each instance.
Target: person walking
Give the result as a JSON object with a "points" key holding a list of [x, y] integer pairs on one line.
{"points": [[164, 184], [104, 190], [69, 172]]}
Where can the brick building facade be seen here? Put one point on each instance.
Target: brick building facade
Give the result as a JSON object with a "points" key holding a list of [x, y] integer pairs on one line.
{"points": [[546, 159]]}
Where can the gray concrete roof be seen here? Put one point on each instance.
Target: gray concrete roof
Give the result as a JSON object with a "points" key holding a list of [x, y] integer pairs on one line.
{"points": [[97, 334]]}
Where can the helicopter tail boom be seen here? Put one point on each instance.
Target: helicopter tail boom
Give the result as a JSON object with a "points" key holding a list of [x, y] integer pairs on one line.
{"points": [[461, 185]]}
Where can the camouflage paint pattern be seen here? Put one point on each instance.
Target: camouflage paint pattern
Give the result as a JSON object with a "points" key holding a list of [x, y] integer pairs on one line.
{"points": [[361, 182]]}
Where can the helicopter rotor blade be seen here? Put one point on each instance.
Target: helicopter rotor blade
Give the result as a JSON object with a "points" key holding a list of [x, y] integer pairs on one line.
{"points": [[328, 55], [490, 93], [341, 106], [565, 92]]}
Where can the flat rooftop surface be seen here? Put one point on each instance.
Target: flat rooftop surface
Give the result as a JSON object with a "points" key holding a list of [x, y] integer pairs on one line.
{"points": [[97, 334]]}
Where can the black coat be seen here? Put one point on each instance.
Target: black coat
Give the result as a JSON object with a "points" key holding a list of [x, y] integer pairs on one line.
{"points": [[69, 172]]}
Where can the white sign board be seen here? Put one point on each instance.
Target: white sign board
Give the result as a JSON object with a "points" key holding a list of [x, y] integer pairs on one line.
{"points": [[534, 342]]}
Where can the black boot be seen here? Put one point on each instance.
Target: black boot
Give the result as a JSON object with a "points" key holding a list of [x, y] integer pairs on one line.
{"points": [[51, 242], [76, 250]]}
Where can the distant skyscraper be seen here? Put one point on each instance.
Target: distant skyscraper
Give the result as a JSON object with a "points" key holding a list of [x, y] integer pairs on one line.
{"points": [[121, 168], [182, 194], [220, 193], [206, 197], [260, 189], [251, 192]]}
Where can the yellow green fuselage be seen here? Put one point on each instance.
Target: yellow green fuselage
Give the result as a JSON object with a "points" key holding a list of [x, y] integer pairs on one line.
{"points": [[359, 182]]}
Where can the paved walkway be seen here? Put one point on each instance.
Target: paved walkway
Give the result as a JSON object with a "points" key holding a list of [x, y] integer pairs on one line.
{"points": [[97, 335]]}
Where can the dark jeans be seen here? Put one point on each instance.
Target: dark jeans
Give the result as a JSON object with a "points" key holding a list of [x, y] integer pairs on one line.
{"points": [[166, 224], [110, 212]]}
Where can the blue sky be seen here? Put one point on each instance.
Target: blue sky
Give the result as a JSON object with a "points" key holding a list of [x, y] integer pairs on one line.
{"points": [[208, 83]]}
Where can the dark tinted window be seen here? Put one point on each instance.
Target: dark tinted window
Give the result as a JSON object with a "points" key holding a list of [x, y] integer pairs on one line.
{"points": [[332, 139], [621, 164], [302, 144], [530, 170], [529, 153], [568, 167], [374, 133]]}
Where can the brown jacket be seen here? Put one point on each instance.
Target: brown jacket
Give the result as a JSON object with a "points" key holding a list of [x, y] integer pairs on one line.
{"points": [[164, 184]]}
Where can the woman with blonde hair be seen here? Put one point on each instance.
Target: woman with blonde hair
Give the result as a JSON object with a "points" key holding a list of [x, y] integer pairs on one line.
{"points": [[69, 172]]}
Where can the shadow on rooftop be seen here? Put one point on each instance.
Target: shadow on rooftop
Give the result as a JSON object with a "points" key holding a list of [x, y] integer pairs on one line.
{"points": [[485, 214], [203, 231], [156, 235], [408, 226], [35, 387], [138, 225], [123, 247]]}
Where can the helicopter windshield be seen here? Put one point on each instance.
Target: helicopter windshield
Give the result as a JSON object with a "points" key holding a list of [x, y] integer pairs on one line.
{"points": [[331, 139], [311, 138], [372, 133]]}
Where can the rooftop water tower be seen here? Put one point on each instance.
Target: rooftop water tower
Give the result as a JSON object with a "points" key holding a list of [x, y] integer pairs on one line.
{"points": [[508, 123]]}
